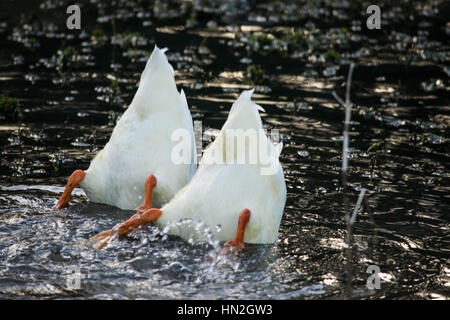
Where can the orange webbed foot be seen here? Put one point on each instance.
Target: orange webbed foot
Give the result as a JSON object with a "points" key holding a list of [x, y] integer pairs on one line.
{"points": [[100, 240], [237, 244], [144, 214]]}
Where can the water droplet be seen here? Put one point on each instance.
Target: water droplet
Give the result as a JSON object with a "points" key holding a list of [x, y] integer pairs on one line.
{"points": [[435, 139], [330, 71], [303, 153]]}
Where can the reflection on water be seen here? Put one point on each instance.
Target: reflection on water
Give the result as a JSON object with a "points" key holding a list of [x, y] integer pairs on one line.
{"points": [[73, 86]]}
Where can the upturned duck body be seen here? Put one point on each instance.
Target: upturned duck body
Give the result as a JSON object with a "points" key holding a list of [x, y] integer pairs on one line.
{"points": [[139, 152]]}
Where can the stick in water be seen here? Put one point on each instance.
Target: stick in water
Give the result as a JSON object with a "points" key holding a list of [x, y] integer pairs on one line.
{"points": [[358, 204], [348, 110]]}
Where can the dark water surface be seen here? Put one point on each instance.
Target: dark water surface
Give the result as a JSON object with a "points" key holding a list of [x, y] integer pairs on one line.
{"points": [[73, 85]]}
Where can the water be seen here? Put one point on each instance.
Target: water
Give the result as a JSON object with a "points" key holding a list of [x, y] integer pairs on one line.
{"points": [[73, 85]]}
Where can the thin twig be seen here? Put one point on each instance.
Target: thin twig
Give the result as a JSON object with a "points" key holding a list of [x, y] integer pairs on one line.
{"points": [[342, 103], [358, 204], [348, 112], [347, 92], [345, 145]]}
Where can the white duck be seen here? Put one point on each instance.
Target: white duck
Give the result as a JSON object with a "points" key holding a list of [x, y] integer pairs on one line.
{"points": [[246, 200], [141, 146]]}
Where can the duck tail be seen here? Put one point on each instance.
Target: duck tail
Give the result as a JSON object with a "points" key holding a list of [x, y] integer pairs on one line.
{"points": [[157, 87], [157, 64]]}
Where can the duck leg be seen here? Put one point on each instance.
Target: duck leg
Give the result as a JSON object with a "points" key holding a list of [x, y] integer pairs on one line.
{"points": [[150, 184], [100, 240], [144, 214], [74, 180], [238, 242]]}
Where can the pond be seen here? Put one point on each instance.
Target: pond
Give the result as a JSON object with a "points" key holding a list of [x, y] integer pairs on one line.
{"points": [[63, 90]]}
